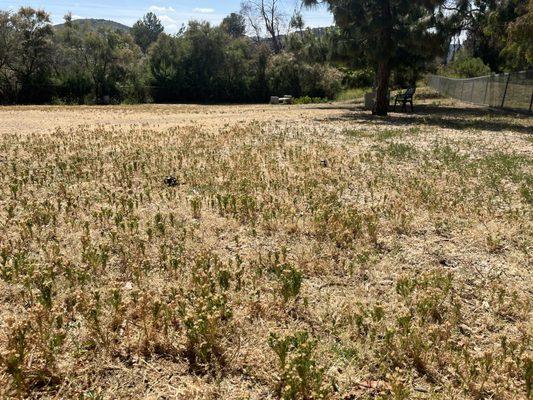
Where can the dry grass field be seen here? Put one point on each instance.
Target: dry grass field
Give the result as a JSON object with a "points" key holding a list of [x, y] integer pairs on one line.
{"points": [[304, 252]]}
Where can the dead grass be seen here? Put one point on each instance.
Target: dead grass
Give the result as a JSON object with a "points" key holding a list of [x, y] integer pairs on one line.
{"points": [[306, 252]]}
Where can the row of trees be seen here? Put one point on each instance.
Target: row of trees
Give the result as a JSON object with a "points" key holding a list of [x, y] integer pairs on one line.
{"points": [[78, 64], [392, 41]]}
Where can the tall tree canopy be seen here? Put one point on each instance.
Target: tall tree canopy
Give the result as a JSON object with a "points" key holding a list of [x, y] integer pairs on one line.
{"points": [[497, 33], [234, 25], [26, 54], [382, 28], [6, 37], [519, 46], [146, 31], [95, 61]]}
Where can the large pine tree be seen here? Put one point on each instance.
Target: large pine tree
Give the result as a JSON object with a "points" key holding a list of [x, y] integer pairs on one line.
{"points": [[381, 27], [146, 31]]}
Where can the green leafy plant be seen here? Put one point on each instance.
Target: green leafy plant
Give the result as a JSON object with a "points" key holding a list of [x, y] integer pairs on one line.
{"points": [[300, 376], [206, 312], [310, 100], [290, 280]]}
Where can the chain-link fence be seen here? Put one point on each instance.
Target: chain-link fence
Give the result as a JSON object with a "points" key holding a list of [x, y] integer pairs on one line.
{"points": [[513, 91]]}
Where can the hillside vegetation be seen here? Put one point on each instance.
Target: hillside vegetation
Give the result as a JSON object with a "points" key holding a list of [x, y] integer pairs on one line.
{"points": [[95, 25]]}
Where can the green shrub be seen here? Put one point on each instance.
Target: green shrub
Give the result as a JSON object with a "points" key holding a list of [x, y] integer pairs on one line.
{"points": [[471, 67], [290, 280], [73, 87], [466, 66], [287, 75], [359, 78], [283, 74], [310, 100], [300, 377], [205, 312]]}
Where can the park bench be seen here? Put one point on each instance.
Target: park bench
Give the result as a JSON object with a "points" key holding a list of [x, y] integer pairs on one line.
{"points": [[287, 99], [405, 98]]}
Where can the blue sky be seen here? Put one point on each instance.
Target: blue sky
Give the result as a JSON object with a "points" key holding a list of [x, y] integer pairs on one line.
{"points": [[172, 13]]}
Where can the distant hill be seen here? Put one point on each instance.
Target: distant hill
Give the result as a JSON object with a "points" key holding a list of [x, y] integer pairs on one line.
{"points": [[95, 24]]}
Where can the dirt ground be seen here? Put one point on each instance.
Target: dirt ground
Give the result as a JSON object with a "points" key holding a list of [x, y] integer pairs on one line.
{"points": [[38, 119], [302, 252], [444, 117]]}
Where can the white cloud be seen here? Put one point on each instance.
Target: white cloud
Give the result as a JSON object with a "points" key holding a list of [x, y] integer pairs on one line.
{"points": [[165, 19], [74, 16], [203, 10], [173, 28], [161, 9]]}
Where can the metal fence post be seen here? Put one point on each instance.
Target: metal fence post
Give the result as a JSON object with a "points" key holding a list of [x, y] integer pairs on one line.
{"points": [[486, 90], [506, 87]]}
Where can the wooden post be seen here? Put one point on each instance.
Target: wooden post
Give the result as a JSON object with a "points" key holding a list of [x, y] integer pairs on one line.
{"points": [[506, 87], [531, 102]]}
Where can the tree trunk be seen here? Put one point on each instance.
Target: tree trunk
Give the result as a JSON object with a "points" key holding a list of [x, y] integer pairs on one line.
{"points": [[276, 45], [381, 105], [385, 43]]}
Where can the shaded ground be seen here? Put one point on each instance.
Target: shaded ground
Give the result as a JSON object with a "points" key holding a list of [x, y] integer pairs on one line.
{"points": [[446, 117]]}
